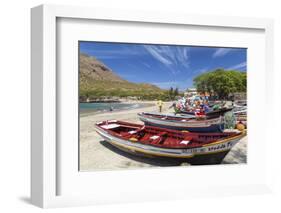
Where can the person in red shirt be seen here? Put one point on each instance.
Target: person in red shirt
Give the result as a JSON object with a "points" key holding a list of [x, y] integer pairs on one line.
{"points": [[200, 113]]}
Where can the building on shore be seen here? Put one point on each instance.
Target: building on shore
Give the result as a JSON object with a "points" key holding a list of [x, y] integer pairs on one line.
{"points": [[190, 92]]}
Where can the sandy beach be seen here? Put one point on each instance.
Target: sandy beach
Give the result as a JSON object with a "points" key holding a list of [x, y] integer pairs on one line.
{"points": [[95, 154]]}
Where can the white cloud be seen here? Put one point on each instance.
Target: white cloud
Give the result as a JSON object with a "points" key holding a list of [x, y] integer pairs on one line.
{"points": [[146, 64], [221, 52], [202, 70], [238, 66], [170, 56], [157, 53], [166, 84], [181, 85]]}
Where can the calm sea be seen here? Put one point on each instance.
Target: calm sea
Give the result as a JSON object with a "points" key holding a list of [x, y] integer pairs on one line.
{"points": [[86, 108]]}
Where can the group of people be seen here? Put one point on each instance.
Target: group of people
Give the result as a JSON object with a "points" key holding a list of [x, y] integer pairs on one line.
{"points": [[199, 106]]}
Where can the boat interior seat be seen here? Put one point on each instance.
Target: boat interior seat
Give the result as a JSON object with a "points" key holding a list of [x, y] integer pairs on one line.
{"points": [[147, 137], [160, 139], [129, 134], [175, 141], [125, 134]]}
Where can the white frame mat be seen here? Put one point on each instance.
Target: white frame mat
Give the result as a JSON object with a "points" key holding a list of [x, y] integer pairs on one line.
{"points": [[45, 169]]}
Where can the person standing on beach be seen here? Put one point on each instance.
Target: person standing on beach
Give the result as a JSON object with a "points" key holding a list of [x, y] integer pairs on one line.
{"points": [[176, 109], [160, 104]]}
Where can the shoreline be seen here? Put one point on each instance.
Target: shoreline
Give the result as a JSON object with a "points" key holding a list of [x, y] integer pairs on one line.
{"points": [[141, 104]]}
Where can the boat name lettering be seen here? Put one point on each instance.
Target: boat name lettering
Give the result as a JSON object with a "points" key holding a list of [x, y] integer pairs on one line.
{"points": [[220, 146], [214, 148], [193, 151]]}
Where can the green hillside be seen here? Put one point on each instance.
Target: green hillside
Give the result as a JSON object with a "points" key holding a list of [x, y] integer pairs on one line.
{"points": [[98, 81]]}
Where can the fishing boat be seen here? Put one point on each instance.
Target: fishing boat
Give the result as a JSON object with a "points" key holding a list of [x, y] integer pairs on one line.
{"points": [[182, 123], [240, 110], [211, 114], [200, 148]]}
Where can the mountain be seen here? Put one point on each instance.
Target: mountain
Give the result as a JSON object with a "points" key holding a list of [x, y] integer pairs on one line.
{"points": [[97, 80], [92, 69]]}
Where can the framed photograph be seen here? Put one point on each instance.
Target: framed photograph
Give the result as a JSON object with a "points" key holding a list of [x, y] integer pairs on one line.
{"points": [[147, 113], [149, 106]]}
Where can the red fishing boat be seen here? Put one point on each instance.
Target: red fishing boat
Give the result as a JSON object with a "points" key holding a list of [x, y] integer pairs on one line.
{"points": [[163, 143]]}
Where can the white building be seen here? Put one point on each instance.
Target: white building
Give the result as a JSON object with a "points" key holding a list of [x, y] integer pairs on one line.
{"points": [[190, 92]]}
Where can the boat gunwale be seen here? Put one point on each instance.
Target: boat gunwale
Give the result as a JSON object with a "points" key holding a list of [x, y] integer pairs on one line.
{"points": [[196, 123]]}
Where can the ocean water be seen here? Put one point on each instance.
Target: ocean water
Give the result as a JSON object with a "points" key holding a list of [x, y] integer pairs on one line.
{"points": [[86, 108]]}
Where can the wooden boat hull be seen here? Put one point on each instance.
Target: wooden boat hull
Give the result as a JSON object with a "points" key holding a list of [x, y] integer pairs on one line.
{"points": [[211, 114], [209, 125], [197, 159], [215, 149]]}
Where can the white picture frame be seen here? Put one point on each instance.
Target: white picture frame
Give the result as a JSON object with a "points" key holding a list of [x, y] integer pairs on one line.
{"points": [[44, 149]]}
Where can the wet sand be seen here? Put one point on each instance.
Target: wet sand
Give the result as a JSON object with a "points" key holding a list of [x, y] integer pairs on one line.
{"points": [[96, 154]]}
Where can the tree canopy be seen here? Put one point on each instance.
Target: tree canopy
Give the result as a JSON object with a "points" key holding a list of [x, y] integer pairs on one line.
{"points": [[221, 83]]}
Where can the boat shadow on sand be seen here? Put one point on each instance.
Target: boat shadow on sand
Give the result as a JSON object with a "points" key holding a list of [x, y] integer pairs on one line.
{"points": [[152, 161], [158, 161]]}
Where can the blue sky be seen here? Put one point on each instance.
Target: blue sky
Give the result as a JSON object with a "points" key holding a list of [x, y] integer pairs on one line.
{"points": [[164, 65]]}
